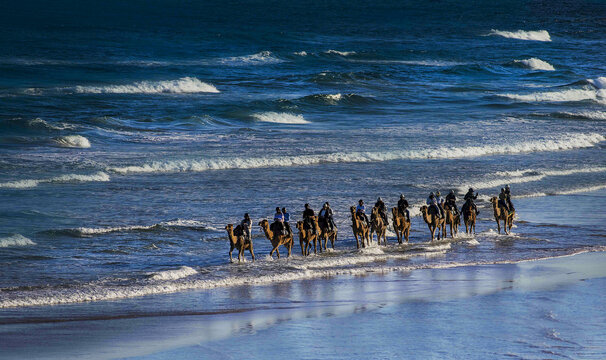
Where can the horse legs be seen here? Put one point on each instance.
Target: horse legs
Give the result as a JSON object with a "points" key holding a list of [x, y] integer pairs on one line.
{"points": [[277, 250], [290, 247], [230, 250], [498, 225], [252, 253]]}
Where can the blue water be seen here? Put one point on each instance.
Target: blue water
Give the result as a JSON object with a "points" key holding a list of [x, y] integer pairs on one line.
{"points": [[132, 132]]}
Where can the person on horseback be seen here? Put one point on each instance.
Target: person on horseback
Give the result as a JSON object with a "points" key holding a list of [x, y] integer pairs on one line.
{"points": [[308, 224], [325, 217], [286, 221], [508, 195], [451, 199], [440, 201], [380, 205], [278, 225], [432, 202], [361, 211], [246, 225], [503, 200], [469, 201], [403, 207]]}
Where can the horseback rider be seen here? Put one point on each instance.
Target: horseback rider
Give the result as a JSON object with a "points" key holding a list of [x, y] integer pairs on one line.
{"points": [[432, 202], [325, 217], [508, 195], [380, 205], [246, 225], [361, 211], [286, 221], [440, 201], [403, 207], [278, 224], [451, 199], [308, 224], [503, 200], [469, 201]]}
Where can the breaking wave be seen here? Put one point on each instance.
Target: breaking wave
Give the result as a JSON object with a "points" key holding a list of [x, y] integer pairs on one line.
{"points": [[172, 224], [590, 115], [260, 58], [565, 141], [280, 118], [539, 35], [565, 192], [333, 99], [599, 83], [340, 53], [30, 183], [536, 64], [561, 96], [185, 85], [528, 175], [73, 141], [15, 240], [180, 273]]}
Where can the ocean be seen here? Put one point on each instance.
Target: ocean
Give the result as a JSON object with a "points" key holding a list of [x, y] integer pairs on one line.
{"points": [[132, 132]]}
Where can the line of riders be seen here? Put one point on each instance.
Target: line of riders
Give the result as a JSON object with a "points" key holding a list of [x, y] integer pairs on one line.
{"points": [[435, 207]]}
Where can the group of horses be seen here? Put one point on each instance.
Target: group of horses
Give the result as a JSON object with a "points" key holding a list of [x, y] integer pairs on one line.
{"points": [[364, 232]]}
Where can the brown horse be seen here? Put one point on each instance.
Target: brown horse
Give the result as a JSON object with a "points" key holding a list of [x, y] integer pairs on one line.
{"points": [[433, 222], [360, 229], [452, 220], [401, 225], [307, 237], [276, 239], [469, 217], [378, 226], [238, 242], [500, 213], [327, 234]]}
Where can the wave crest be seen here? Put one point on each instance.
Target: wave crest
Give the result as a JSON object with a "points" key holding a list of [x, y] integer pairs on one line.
{"points": [[185, 85], [30, 183], [280, 118], [536, 64], [73, 141], [176, 274], [538, 35], [260, 58], [15, 240]]}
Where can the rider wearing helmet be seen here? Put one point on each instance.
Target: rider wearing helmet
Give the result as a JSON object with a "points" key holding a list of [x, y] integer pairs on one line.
{"points": [[451, 199], [469, 200], [403, 207]]}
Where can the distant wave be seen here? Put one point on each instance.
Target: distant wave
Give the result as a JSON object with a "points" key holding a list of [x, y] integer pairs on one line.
{"points": [[184, 85], [176, 274], [260, 58], [590, 115], [527, 175], [565, 141], [172, 224], [565, 192], [15, 240], [300, 53], [73, 141], [595, 93], [539, 35], [333, 99], [340, 53], [280, 118], [30, 183], [536, 64]]}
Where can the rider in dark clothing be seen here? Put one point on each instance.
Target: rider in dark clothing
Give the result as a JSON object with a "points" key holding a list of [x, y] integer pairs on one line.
{"points": [[361, 211], [307, 221], [246, 224], [508, 195], [451, 199], [432, 202], [325, 217], [469, 200], [380, 205], [278, 225], [403, 207], [286, 220], [503, 200]]}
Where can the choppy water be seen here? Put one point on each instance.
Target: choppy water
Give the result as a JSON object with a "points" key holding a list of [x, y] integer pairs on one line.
{"points": [[128, 142]]}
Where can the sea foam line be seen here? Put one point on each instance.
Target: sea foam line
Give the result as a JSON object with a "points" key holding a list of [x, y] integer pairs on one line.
{"points": [[30, 183], [15, 240], [180, 86], [565, 141], [536, 64], [538, 35], [280, 118]]}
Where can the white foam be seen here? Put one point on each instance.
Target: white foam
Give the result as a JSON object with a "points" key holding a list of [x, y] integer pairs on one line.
{"points": [[183, 85], [340, 53], [593, 115], [561, 95], [564, 141], [538, 35], [260, 58], [30, 183], [564, 192], [73, 141], [37, 122], [536, 64], [600, 82], [15, 240], [180, 273], [172, 223], [280, 118], [301, 53]]}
